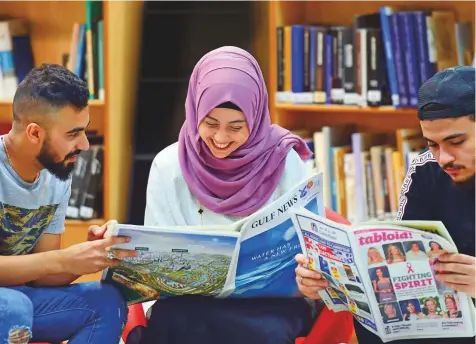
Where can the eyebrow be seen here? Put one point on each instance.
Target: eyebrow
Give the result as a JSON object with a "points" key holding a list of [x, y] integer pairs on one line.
{"points": [[235, 121], [77, 129], [447, 138]]}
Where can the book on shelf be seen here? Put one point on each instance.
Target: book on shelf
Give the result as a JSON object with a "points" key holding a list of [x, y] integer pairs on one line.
{"points": [[85, 57], [384, 274], [363, 171], [381, 59], [85, 202], [253, 257]]}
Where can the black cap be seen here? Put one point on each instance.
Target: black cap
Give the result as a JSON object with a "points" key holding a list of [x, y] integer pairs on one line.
{"points": [[449, 93]]}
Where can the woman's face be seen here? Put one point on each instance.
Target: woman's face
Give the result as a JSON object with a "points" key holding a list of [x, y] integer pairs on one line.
{"points": [[450, 304], [372, 253], [434, 246], [379, 273], [411, 308], [430, 306], [394, 250], [224, 131]]}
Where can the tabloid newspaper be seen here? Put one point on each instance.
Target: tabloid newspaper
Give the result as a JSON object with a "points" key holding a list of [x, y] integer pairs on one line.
{"points": [[383, 273], [253, 257]]}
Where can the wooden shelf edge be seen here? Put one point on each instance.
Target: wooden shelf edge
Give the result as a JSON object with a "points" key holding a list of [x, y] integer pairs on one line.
{"points": [[84, 224], [384, 110], [92, 102], [6, 108]]}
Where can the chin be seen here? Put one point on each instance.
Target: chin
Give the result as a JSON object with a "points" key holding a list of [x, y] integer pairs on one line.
{"points": [[220, 155], [464, 182]]}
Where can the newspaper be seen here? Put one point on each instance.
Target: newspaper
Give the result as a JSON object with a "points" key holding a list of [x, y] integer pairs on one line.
{"points": [[253, 257], [383, 273]]}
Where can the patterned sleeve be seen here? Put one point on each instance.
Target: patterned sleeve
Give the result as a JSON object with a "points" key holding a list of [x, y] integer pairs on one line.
{"points": [[57, 225], [414, 200]]}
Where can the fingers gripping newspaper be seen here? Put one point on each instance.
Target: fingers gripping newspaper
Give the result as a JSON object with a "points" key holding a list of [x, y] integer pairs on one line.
{"points": [[253, 257], [383, 273]]}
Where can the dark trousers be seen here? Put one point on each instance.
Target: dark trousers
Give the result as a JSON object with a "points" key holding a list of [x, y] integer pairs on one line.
{"points": [[197, 320]]}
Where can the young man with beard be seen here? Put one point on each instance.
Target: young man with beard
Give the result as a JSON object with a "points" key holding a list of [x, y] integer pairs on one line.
{"points": [[439, 186], [50, 116]]}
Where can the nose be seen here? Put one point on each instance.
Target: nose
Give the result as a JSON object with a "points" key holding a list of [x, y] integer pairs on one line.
{"points": [[445, 157], [83, 144], [221, 136]]}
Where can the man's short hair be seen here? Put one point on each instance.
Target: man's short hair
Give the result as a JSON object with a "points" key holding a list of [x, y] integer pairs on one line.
{"points": [[47, 89], [448, 94]]}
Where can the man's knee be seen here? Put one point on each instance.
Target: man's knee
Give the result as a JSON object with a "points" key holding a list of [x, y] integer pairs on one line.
{"points": [[16, 315]]}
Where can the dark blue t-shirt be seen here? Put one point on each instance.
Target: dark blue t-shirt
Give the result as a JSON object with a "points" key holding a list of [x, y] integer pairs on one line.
{"points": [[428, 193]]}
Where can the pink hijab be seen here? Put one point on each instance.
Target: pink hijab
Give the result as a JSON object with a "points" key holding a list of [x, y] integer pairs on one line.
{"points": [[243, 182]]}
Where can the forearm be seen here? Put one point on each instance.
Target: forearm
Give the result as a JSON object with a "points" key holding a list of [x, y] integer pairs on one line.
{"points": [[23, 269], [55, 280]]}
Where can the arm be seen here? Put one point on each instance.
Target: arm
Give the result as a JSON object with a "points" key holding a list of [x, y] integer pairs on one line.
{"points": [[18, 270], [51, 242]]}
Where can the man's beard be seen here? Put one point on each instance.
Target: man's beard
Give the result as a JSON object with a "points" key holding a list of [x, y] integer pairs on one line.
{"points": [[61, 169], [466, 184]]}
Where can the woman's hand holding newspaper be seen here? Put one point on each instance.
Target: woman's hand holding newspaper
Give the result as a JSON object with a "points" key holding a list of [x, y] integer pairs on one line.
{"points": [[309, 282], [457, 271]]}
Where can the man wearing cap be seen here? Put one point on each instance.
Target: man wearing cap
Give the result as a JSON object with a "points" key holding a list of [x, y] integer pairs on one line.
{"points": [[439, 186]]}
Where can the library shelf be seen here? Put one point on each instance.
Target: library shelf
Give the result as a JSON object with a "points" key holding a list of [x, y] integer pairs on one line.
{"points": [[383, 110]]}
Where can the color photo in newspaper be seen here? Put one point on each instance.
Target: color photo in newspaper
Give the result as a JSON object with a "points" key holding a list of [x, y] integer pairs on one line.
{"points": [[384, 274], [329, 250], [412, 303]]}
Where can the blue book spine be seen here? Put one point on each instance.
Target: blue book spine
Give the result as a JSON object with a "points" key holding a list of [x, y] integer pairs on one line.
{"points": [[408, 34], [387, 40], [313, 57], [422, 45], [399, 65], [328, 67], [297, 60], [78, 69]]}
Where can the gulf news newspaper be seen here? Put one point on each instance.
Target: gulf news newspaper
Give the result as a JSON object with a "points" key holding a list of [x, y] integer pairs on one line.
{"points": [[383, 272]]}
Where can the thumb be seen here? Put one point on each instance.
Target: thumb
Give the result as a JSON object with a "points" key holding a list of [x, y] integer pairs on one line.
{"points": [[108, 227], [112, 240], [97, 230]]}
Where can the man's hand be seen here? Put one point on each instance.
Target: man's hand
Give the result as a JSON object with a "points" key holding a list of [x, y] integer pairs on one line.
{"points": [[309, 282], [96, 232], [91, 256], [457, 271]]}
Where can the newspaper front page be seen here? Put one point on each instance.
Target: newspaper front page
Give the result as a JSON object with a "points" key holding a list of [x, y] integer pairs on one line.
{"points": [[384, 274], [250, 258]]}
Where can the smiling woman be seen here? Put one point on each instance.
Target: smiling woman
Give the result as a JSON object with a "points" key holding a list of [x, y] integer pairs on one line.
{"points": [[228, 163], [224, 129]]}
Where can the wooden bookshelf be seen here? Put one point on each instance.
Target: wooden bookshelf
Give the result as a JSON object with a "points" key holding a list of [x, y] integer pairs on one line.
{"points": [[336, 13], [312, 117], [51, 24]]}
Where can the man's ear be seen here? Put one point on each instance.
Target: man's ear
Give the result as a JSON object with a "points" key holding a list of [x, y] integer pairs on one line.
{"points": [[34, 133]]}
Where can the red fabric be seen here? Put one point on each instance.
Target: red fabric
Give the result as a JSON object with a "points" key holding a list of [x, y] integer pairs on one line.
{"points": [[135, 318]]}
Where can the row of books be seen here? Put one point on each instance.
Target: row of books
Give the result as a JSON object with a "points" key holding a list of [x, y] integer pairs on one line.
{"points": [[86, 55], [85, 202], [382, 59], [85, 58], [363, 172]]}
